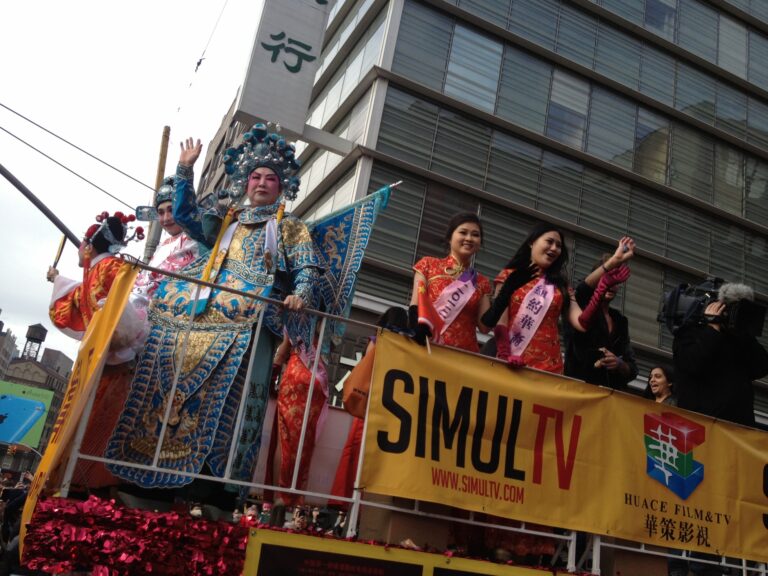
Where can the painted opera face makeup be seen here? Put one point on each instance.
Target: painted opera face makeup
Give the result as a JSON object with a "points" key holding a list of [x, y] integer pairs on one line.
{"points": [[263, 187], [165, 217]]}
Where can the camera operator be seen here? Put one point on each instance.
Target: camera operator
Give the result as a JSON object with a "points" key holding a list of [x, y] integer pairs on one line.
{"points": [[717, 358]]}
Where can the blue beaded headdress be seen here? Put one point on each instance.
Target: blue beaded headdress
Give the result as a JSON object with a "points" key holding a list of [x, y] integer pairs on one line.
{"points": [[166, 191], [262, 148]]}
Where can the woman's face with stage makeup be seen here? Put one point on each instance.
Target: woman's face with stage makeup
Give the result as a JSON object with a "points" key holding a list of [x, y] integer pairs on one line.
{"points": [[263, 187]]}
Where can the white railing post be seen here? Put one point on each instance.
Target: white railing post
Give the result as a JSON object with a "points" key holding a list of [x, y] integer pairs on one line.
{"points": [[571, 564]]}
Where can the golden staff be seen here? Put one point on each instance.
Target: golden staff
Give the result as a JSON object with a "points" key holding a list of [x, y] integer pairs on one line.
{"points": [[60, 250]]}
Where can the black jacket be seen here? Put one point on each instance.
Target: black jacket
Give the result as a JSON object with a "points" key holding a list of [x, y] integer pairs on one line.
{"points": [[582, 348], [714, 371]]}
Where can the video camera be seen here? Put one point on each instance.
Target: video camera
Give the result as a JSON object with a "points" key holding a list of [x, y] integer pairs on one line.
{"points": [[685, 304]]}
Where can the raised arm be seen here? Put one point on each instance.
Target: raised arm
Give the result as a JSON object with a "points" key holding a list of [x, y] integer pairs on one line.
{"points": [[625, 251], [186, 211]]}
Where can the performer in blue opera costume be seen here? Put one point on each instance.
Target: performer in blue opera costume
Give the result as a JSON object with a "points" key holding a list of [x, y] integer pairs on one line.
{"points": [[258, 249]]}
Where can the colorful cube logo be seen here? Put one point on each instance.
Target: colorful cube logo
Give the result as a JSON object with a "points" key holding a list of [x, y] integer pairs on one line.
{"points": [[669, 443]]}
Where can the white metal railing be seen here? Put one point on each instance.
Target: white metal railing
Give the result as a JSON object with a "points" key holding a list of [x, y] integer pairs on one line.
{"points": [[590, 558]]}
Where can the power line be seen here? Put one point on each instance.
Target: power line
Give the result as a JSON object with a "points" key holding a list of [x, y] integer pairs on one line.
{"points": [[75, 146], [66, 168]]}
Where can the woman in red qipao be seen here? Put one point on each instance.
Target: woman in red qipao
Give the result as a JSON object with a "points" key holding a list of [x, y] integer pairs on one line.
{"points": [[532, 294], [460, 295], [73, 304]]}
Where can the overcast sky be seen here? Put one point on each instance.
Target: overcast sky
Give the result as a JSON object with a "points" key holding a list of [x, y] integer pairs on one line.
{"points": [[107, 76]]}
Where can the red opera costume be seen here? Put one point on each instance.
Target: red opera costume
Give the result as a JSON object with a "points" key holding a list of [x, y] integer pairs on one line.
{"points": [[74, 303], [439, 273], [291, 404], [543, 351]]}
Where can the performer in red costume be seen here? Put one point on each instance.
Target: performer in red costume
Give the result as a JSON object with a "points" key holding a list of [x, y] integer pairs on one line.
{"points": [[72, 307]]}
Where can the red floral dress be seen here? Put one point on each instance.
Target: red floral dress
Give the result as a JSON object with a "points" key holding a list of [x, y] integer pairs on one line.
{"points": [[543, 351], [439, 273]]}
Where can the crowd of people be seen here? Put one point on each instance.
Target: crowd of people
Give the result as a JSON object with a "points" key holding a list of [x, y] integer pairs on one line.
{"points": [[189, 354]]}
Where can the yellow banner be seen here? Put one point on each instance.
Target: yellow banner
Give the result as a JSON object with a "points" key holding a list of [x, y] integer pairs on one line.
{"points": [[85, 377], [472, 433]]}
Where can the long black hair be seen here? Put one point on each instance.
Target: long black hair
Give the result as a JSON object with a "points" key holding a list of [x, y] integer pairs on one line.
{"points": [[557, 272], [99, 240], [459, 219]]}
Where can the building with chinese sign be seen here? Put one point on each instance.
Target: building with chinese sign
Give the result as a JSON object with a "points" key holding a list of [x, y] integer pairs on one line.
{"points": [[644, 117]]}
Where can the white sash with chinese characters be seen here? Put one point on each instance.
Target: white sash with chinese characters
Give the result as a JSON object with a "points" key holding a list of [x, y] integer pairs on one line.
{"points": [[532, 311], [454, 297]]}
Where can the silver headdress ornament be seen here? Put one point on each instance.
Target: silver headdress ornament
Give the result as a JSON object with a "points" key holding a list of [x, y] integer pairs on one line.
{"points": [[166, 191], [262, 148]]}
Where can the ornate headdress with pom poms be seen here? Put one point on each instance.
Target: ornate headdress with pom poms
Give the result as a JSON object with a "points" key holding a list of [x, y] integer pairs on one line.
{"points": [[104, 234], [260, 148]]}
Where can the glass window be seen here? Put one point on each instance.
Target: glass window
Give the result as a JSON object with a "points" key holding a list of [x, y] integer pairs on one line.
{"points": [[688, 236], [660, 17], [757, 122], [567, 116], [758, 59], [731, 110], [535, 20], [396, 230], [496, 11], [384, 284], [503, 231], [374, 43], [440, 204], [729, 178], [648, 220], [604, 203], [651, 145], [524, 89], [698, 29], [473, 68], [576, 35], [642, 298], [657, 75], [756, 260], [560, 187], [632, 10], [423, 44], [756, 190], [461, 148], [513, 170], [727, 251], [407, 127], [691, 161], [616, 56], [732, 46], [695, 93], [611, 130]]}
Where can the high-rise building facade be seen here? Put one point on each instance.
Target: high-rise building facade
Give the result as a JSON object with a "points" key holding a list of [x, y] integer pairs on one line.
{"points": [[605, 117]]}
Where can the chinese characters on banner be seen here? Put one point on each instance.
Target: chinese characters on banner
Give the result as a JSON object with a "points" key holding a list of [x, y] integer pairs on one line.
{"points": [[470, 432], [284, 60]]}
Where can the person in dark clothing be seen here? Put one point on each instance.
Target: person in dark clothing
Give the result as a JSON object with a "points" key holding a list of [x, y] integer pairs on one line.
{"points": [[715, 365], [602, 354]]}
